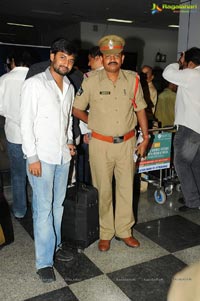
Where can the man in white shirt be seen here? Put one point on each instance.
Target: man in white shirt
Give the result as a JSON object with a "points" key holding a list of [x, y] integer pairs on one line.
{"points": [[186, 74], [47, 142], [10, 101]]}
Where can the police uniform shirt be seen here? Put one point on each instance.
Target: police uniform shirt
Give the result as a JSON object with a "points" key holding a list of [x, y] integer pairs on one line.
{"points": [[111, 109]]}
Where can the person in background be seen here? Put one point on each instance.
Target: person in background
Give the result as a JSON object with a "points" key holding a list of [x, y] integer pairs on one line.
{"points": [[47, 142], [37, 68], [186, 75], [95, 63], [10, 102], [165, 108], [147, 97], [152, 90], [158, 80], [150, 96], [95, 59], [113, 115]]}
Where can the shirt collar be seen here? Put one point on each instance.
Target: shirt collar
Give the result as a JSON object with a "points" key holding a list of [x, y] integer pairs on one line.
{"points": [[19, 68], [103, 75], [50, 77]]}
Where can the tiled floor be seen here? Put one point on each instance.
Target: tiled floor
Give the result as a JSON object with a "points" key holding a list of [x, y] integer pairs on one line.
{"points": [[169, 241]]}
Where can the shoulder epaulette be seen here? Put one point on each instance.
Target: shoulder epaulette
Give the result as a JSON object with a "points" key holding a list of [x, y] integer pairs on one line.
{"points": [[90, 73]]}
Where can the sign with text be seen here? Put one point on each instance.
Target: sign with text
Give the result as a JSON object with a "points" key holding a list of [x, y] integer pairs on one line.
{"points": [[158, 155]]}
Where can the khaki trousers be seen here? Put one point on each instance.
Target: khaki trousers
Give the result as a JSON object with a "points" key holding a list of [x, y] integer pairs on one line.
{"points": [[107, 159]]}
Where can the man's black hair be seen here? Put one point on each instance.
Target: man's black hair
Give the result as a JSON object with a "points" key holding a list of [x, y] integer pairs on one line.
{"points": [[193, 55], [149, 67], [94, 51], [63, 45], [21, 56]]}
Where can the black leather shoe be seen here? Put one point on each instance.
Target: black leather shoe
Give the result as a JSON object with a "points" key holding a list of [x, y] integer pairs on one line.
{"points": [[46, 274], [186, 208], [63, 255]]}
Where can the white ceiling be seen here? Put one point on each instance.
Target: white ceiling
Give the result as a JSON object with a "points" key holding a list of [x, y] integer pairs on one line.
{"points": [[53, 13]]}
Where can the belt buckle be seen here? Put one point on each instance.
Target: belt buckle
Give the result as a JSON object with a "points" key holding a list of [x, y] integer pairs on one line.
{"points": [[118, 139]]}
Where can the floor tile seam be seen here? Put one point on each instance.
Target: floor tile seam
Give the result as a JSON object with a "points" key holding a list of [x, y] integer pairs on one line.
{"points": [[43, 293], [146, 239], [135, 264], [152, 260], [143, 262], [156, 219], [98, 276], [179, 258], [132, 265], [149, 239], [188, 219], [183, 250], [88, 279], [28, 235], [34, 296], [93, 262], [19, 223]]}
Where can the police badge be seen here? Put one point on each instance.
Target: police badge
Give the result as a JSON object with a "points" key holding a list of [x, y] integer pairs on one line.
{"points": [[79, 92]]}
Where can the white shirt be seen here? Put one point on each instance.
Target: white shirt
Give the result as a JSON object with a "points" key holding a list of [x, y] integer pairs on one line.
{"points": [[187, 106], [10, 102], [46, 119]]}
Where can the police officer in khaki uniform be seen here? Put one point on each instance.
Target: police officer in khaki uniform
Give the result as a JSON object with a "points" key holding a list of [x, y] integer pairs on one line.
{"points": [[112, 118]]}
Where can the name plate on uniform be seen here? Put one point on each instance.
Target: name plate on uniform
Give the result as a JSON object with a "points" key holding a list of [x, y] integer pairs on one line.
{"points": [[104, 92]]}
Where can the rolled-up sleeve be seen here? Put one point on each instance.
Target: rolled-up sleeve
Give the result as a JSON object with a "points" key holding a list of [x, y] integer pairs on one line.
{"points": [[178, 77]]}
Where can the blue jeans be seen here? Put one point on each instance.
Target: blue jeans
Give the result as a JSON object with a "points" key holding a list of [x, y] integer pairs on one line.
{"points": [[18, 178], [187, 164], [48, 195]]}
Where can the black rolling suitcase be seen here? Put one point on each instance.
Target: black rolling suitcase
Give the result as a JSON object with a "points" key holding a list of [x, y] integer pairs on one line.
{"points": [[80, 224]]}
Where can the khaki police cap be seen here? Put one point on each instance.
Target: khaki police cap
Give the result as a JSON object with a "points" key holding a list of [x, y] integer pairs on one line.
{"points": [[111, 44]]}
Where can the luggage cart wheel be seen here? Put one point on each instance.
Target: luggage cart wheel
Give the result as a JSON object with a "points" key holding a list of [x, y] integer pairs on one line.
{"points": [[178, 187], [160, 196], [169, 190]]}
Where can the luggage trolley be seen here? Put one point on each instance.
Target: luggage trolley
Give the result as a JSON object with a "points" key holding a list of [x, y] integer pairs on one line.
{"points": [[158, 158]]}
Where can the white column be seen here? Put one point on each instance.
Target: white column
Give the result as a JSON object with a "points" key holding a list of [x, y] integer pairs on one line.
{"points": [[189, 30]]}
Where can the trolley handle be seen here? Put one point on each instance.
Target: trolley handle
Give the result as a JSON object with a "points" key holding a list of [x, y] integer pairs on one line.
{"points": [[166, 128]]}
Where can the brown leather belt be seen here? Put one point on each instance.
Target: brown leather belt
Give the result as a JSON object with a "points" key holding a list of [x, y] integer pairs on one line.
{"points": [[111, 139]]}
